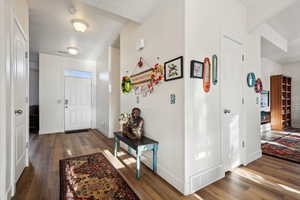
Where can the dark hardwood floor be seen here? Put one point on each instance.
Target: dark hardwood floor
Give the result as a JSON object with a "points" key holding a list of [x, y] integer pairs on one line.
{"points": [[267, 178]]}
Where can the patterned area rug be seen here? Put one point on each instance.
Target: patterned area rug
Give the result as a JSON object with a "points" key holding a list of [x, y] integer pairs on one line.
{"points": [[286, 147], [92, 177]]}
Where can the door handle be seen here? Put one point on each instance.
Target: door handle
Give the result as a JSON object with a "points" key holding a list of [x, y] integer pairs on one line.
{"points": [[66, 101], [227, 111], [19, 112]]}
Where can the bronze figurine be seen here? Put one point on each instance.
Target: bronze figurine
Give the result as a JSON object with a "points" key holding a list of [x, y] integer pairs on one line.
{"points": [[134, 129]]}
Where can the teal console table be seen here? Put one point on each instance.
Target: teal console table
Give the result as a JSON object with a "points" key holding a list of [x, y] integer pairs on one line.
{"points": [[144, 144]]}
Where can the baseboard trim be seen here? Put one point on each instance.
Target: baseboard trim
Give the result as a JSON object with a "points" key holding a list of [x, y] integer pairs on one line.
{"points": [[205, 178], [41, 132], [253, 156], [165, 174]]}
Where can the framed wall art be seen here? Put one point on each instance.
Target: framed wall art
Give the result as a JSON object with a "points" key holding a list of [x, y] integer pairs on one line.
{"points": [[173, 69], [196, 69], [215, 69], [206, 75]]}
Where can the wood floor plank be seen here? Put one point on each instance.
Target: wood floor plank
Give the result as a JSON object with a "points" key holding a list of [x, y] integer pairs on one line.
{"points": [[268, 178]]}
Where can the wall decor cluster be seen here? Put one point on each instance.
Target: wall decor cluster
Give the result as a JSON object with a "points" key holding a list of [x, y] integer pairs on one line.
{"points": [[144, 82], [173, 69], [204, 70], [258, 86], [196, 69], [215, 69], [206, 75], [251, 79]]}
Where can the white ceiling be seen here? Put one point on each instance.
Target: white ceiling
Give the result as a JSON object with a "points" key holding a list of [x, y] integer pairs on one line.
{"points": [[51, 29], [286, 23], [135, 10]]}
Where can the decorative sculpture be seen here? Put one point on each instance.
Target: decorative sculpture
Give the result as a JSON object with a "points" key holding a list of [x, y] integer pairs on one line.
{"points": [[134, 128]]}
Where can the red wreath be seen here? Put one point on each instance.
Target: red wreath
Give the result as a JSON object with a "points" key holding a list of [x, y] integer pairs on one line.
{"points": [[258, 86], [156, 76]]}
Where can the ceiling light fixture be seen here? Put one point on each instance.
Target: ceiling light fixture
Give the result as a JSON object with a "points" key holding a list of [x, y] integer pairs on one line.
{"points": [[79, 25], [73, 51]]}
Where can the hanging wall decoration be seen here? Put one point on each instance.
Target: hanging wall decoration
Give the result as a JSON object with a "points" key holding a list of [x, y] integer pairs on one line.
{"points": [[156, 76], [215, 69], [126, 85], [174, 69], [258, 86], [143, 82], [251, 79], [196, 69], [206, 75], [140, 64]]}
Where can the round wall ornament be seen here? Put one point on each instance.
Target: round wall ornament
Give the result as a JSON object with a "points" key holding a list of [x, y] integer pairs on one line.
{"points": [[258, 86], [251, 79]]}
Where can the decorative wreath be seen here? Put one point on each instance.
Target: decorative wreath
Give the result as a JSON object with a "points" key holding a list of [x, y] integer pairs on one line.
{"points": [[126, 85], [258, 86], [156, 76]]}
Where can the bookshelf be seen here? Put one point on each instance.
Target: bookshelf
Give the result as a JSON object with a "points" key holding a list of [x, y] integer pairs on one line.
{"points": [[281, 102]]}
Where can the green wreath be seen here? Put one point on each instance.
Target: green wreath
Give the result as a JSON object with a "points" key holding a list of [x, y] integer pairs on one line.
{"points": [[126, 85]]}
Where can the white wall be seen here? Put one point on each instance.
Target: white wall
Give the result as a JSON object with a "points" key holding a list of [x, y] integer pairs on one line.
{"points": [[51, 90], [2, 101], [293, 70], [102, 93], [33, 83], [108, 91], [269, 68], [21, 10], [164, 37], [204, 31], [114, 125]]}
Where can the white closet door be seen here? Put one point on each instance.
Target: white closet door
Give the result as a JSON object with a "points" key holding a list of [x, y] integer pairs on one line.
{"points": [[20, 81], [78, 103], [231, 93]]}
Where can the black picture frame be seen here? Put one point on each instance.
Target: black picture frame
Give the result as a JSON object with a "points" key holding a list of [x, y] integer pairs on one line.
{"points": [[194, 64], [175, 60]]}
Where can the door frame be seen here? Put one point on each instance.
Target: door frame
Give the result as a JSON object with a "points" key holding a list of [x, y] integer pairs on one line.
{"points": [[91, 79], [15, 24], [243, 108]]}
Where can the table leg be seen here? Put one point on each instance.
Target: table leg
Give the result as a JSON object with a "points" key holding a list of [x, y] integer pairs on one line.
{"points": [[116, 146], [138, 163], [154, 162]]}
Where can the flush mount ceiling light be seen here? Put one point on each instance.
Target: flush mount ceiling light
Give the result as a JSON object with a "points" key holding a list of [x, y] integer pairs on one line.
{"points": [[79, 25], [73, 51]]}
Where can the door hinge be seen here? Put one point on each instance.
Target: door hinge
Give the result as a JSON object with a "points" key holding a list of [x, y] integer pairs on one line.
{"points": [[243, 100], [27, 145], [243, 144], [243, 58], [26, 54]]}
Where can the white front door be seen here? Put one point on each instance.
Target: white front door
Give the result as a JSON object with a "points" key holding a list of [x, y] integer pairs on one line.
{"points": [[231, 96], [20, 102], [78, 103]]}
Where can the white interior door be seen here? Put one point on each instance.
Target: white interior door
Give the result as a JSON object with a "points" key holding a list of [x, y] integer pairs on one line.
{"points": [[231, 94], [20, 101], [78, 103]]}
